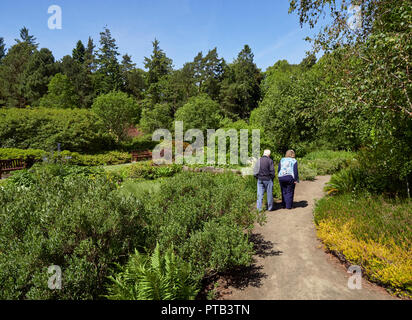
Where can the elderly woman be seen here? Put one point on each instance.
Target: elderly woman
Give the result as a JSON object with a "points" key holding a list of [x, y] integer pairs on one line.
{"points": [[288, 176]]}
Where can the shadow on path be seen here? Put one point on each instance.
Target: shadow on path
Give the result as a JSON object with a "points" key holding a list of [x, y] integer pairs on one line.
{"points": [[252, 276], [296, 204], [242, 277]]}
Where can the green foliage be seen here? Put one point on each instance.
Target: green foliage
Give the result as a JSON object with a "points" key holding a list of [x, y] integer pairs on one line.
{"points": [[372, 232], [219, 246], [42, 128], [77, 223], [61, 94], [345, 181], [208, 73], [11, 75], [200, 112], [140, 143], [73, 158], [150, 171], [13, 153], [240, 92], [118, 111], [40, 69], [29, 177], [108, 75], [158, 66], [2, 49], [287, 113], [156, 277], [155, 117], [191, 207]]}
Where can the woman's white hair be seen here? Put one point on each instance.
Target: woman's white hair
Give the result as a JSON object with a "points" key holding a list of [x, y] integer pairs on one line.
{"points": [[266, 153]]}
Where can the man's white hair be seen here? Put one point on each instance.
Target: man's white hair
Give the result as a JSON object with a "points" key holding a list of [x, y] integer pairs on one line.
{"points": [[266, 153]]}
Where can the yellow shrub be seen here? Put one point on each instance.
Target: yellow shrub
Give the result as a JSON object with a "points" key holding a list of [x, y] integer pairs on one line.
{"points": [[389, 264]]}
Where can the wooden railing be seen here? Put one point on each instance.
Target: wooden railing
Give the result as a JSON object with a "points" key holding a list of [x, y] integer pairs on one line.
{"points": [[141, 155], [12, 165]]}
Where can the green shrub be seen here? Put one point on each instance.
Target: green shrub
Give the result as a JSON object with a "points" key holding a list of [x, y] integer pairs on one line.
{"points": [[190, 205], [219, 246], [200, 112], [156, 277], [140, 143], [150, 171], [29, 177], [348, 180], [118, 111], [13, 153], [80, 224], [42, 128], [306, 172], [74, 158]]}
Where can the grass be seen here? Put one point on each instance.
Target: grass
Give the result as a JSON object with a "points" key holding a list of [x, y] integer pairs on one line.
{"points": [[140, 187], [373, 232]]}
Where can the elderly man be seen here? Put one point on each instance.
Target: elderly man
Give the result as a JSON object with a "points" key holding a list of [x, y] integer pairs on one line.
{"points": [[265, 173]]}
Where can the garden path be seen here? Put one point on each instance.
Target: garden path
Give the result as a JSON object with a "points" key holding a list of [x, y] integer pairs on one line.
{"points": [[291, 263]]}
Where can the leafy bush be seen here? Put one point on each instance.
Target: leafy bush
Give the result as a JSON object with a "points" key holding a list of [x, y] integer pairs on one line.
{"points": [[77, 223], [347, 180], [156, 277], [217, 247], [200, 112], [150, 171], [29, 177], [371, 231], [76, 129], [13, 153], [159, 116], [74, 158], [117, 111], [61, 94], [189, 208], [306, 172], [140, 143]]}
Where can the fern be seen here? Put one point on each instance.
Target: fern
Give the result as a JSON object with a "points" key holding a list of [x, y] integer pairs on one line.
{"points": [[155, 277], [347, 180]]}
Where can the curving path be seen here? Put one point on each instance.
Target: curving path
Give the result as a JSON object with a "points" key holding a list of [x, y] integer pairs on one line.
{"points": [[291, 263]]}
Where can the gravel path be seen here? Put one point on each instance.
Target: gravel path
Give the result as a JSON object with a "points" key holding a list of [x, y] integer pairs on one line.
{"points": [[291, 263]]}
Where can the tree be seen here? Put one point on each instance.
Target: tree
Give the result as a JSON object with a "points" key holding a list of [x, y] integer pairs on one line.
{"points": [[208, 72], [308, 62], [11, 75], [40, 68], [27, 38], [134, 80], [158, 65], [117, 110], [79, 52], [61, 94], [89, 57], [108, 75], [159, 116], [2, 49], [240, 92], [200, 112]]}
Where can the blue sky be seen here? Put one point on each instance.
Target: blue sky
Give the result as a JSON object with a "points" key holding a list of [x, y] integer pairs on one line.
{"points": [[183, 27]]}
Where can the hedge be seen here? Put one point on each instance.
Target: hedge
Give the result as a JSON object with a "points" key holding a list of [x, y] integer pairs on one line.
{"points": [[42, 128], [107, 158]]}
